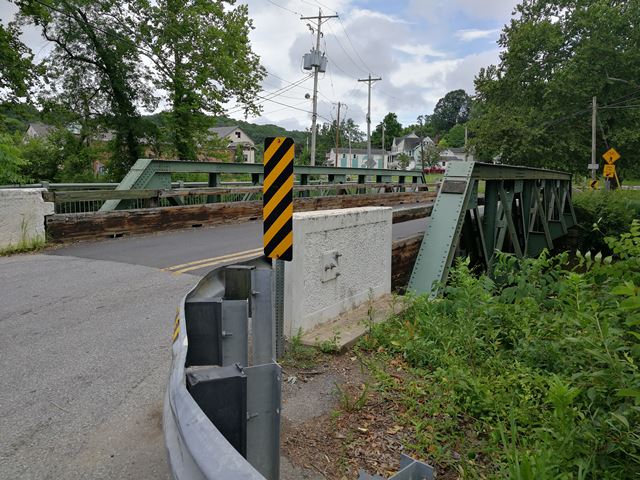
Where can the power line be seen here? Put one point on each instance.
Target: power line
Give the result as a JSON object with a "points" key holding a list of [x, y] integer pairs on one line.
{"points": [[284, 8], [345, 51], [352, 46], [273, 94]]}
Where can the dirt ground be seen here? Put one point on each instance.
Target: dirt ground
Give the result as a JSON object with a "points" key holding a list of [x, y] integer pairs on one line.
{"points": [[335, 423]]}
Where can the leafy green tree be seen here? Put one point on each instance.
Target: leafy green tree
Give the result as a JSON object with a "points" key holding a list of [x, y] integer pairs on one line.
{"points": [[94, 61], [453, 108], [403, 161], [202, 57], [11, 161], [455, 136], [392, 128], [535, 105], [61, 157], [16, 67]]}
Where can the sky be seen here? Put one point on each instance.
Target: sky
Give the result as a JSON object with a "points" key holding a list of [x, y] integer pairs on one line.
{"points": [[420, 48]]}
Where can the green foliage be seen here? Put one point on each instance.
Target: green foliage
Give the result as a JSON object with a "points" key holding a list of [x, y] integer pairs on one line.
{"points": [[330, 345], [455, 136], [403, 161], [202, 57], [601, 214], [534, 108], [298, 355], [16, 67], [11, 161], [392, 128], [453, 108], [530, 374]]}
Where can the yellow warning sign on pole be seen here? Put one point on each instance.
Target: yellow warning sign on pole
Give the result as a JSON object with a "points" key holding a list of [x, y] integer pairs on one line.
{"points": [[610, 171], [593, 184], [611, 156], [277, 198]]}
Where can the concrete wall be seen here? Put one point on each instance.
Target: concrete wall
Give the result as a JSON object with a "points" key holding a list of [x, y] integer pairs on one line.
{"points": [[357, 242], [22, 212]]}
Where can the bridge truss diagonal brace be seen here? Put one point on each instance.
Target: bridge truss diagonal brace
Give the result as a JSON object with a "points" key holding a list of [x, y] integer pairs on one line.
{"points": [[442, 234]]}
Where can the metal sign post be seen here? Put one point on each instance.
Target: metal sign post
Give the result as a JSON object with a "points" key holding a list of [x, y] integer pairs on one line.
{"points": [[277, 215]]}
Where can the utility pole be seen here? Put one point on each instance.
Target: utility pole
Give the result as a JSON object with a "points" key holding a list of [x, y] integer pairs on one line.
{"points": [[337, 134], [594, 117], [384, 150], [369, 81], [466, 140], [317, 63]]}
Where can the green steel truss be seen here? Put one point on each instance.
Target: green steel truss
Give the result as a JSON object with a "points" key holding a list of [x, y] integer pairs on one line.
{"points": [[524, 211], [156, 174]]}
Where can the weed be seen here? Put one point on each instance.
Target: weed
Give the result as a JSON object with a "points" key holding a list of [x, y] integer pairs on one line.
{"points": [[331, 345], [352, 403], [298, 355], [531, 373]]}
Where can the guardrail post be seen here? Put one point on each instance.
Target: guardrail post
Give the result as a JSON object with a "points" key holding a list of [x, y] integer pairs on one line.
{"points": [[279, 307]]}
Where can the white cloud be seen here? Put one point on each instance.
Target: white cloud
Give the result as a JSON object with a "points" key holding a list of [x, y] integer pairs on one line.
{"points": [[468, 35], [420, 50]]}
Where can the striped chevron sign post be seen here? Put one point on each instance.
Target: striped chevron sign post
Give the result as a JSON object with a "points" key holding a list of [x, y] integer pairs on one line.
{"points": [[277, 194]]}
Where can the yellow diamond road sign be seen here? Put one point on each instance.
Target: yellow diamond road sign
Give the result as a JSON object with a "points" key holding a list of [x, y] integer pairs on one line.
{"points": [[594, 184], [611, 156]]}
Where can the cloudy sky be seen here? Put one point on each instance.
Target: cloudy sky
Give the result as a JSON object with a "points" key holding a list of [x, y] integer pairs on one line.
{"points": [[421, 49]]}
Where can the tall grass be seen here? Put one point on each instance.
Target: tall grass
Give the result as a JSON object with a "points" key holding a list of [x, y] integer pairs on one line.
{"points": [[530, 374]]}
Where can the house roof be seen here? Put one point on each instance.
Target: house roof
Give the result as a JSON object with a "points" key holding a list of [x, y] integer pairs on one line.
{"points": [[358, 151], [41, 129], [222, 132]]}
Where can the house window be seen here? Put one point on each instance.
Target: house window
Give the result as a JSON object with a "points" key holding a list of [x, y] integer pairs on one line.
{"points": [[237, 134], [354, 161]]}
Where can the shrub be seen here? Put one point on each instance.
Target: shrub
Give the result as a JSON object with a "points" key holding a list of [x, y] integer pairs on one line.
{"points": [[538, 364], [601, 214]]}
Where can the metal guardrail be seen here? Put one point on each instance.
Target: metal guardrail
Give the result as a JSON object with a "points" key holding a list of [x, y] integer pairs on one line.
{"points": [[156, 174], [84, 201], [221, 416], [222, 407]]}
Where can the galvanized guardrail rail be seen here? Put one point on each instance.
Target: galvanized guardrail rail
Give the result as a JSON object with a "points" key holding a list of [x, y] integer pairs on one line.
{"points": [[223, 402]]}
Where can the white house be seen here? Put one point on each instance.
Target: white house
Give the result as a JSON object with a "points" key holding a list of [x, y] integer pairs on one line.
{"points": [[409, 145], [356, 158], [237, 138]]}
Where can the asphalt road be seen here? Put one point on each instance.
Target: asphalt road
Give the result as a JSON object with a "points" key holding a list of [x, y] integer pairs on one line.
{"points": [[84, 355], [85, 349], [194, 251]]}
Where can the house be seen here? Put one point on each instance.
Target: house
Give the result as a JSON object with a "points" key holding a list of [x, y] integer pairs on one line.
{"points": [[409, 145], [237, 138], [356, 158], [39, 130]]}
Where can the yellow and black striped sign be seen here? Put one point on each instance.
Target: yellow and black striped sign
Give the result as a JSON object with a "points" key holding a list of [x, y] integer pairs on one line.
{"points": [[277, 203]]}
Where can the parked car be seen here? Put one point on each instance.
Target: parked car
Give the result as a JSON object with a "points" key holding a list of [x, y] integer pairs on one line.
{"points": [[435, 169]]}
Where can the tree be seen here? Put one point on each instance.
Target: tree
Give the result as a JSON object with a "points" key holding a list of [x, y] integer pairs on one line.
{"points": [[451, 109], [403, 161], [202, 58], [393, 128], [535, 105], [11, 161], [16, 67], [94, 62], [455, 136]]}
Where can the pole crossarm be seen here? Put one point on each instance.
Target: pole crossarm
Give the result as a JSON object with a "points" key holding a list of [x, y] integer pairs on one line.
{"points": [[525, 210]]}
